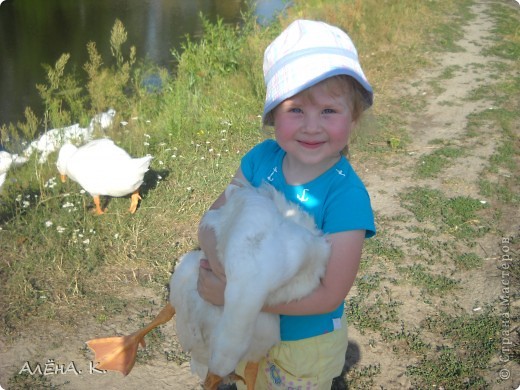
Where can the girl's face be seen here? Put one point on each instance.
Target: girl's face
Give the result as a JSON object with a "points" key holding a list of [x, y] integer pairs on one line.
{"points": [[313, 127]]}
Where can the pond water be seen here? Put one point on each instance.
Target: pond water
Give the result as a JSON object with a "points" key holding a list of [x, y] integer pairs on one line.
{"points": [[33, 33]]}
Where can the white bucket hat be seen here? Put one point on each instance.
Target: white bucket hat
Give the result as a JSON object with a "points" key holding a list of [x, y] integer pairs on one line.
{"points": [[304, 54]]}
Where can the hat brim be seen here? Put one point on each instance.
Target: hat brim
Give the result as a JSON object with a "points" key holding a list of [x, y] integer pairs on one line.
{"points": [[278, 88]]}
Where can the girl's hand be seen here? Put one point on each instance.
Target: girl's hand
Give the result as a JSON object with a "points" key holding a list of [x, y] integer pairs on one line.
{"points": [[209, 285]]}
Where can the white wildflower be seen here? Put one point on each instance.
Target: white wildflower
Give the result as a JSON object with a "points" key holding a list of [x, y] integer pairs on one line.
{"points": [[48, 223], [60, 229], [51, 183]]}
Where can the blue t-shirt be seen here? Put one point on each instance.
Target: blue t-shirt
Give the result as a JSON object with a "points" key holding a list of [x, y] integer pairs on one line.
{"points": [[338, 201]]}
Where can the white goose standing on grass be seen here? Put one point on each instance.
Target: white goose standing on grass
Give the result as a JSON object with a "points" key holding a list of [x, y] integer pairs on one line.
{"points": [[103, 169]]}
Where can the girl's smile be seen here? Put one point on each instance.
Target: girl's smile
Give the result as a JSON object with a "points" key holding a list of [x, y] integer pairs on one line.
{"points": [[311, 145]]}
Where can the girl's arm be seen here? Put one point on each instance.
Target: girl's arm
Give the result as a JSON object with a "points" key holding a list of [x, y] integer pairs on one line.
{"points": [[339, 277]]}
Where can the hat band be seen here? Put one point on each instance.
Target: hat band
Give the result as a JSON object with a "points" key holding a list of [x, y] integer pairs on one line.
{"points": [[308, 52]]}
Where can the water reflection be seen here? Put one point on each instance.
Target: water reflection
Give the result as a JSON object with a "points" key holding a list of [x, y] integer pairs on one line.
{"points": [[36, 32]]}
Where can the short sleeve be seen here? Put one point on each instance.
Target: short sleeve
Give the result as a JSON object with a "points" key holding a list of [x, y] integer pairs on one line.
{"points": [[350, 210]]}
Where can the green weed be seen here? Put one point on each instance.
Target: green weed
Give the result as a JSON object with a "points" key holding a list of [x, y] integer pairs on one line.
{"points": [[15, 135], [501, 191], [473, 339], [216, 54], [432, 249], [432, 164], [363, 378], [445, 369], [383, 249], [457, 216], [420, 276], [26, 381], [449, 72], [507, 43], [61, 96], [468, 260], [376, 315], [406, 341]]}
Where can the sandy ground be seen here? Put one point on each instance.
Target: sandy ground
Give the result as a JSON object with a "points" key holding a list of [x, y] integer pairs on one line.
{"points": [[61, 349]]}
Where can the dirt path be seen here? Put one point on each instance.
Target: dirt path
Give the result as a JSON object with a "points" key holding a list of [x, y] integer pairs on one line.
{"points": [[443, 118]]}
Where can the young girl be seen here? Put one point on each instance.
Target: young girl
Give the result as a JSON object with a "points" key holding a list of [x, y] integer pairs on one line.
{"points": [[316, 92]]}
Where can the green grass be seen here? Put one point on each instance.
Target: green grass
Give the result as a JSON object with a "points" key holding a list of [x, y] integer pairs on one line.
{"points": [[383, 250], [362, 378], [473, 341], [468, 260], [430, 283], [507, 32], [457, 216], [25, 380], [382, 310], [432, 164]]}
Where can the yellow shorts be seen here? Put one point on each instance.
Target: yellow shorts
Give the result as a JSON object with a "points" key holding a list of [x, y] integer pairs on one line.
{"points": [[310, 363]]}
